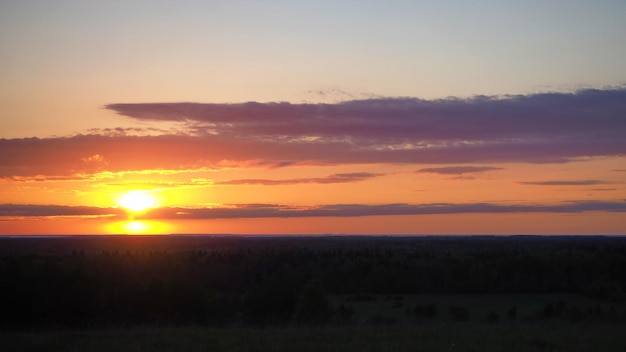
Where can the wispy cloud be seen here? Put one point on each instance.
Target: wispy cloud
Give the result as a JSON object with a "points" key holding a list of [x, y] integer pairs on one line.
{"points": [[537, 128], [30, 210], [336, 178], [159, 185], [333, 210], [352, 210], [564, 183], [457, 170]]}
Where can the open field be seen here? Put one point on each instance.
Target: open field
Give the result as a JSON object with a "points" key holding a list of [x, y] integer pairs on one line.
{"points": [[389, 310], [430, 337]]}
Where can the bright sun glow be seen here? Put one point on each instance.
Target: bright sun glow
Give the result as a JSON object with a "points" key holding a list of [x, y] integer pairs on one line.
{"points": [[137, 201]]}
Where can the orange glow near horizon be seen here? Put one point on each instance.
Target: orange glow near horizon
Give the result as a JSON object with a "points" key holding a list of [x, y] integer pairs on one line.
{"points": [[139, 227]]}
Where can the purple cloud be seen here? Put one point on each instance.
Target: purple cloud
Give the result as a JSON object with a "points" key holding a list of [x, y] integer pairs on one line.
{"points": [[549, 127], [564, 183], [588, 114], [336, 178], [457, 170], [537, 128]]}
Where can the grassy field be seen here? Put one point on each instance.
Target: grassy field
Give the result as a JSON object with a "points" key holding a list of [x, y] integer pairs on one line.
{"points": [[392, 309], [378, 323], [427, 337]]}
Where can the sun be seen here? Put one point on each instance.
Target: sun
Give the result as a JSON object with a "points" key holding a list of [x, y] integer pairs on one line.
{"points": [[137, 201]]}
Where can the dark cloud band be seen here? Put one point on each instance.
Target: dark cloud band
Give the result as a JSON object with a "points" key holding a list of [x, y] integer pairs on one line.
{"points": [[336, 178], [457, 170], [333, 210], [565, 183]]}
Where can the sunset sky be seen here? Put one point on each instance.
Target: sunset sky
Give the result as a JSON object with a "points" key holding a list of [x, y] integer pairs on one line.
{"points": [[294, 117]]}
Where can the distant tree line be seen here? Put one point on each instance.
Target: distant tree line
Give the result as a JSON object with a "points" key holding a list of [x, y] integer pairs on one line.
{"points": [[287, 281]]}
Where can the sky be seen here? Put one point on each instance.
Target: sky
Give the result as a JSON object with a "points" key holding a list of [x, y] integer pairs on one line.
{"points": [[293, 117]]}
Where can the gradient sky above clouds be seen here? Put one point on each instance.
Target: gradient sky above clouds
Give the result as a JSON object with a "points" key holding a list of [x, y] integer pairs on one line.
{"points": [[324, 117]]}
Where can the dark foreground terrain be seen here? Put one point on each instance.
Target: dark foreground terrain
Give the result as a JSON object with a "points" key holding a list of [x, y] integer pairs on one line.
{"points": [[427, 338], [342, 293]]}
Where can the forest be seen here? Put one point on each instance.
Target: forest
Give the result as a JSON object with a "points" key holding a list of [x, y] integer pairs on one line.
{"points": [[94, 282]]}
